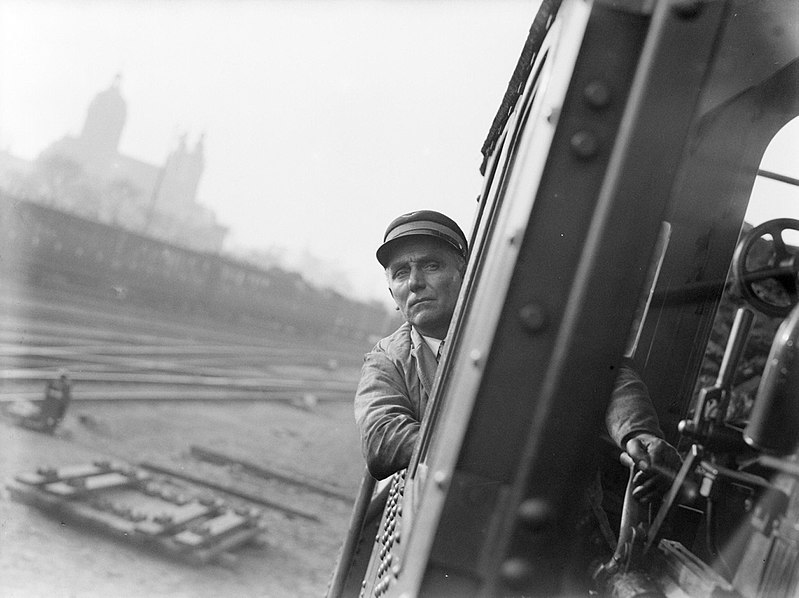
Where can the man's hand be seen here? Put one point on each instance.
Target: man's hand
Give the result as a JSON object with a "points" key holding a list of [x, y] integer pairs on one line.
{"points": [[657, 462]]}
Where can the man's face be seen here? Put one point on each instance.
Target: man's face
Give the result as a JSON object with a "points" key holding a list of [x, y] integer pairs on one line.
{"points": [[424, 277]]}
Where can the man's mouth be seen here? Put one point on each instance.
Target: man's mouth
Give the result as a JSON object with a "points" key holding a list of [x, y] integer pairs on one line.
{"points": [[418, 301]]}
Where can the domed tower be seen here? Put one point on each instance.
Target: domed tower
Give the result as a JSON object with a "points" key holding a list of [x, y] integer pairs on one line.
{"points": [[105, 120]]}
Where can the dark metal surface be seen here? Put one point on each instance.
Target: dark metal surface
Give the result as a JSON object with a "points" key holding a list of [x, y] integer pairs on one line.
{"points": [[633, 122]]}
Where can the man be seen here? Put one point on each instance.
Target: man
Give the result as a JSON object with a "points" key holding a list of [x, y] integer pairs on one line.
{"points": [[424, 255]]}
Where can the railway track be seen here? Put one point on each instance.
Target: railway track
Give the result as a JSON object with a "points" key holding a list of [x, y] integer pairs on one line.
{"points": [[116, 352], [225, 411]]}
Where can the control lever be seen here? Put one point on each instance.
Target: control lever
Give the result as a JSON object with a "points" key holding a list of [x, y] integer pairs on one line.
{"points": [[668, 500], [713, 434]]}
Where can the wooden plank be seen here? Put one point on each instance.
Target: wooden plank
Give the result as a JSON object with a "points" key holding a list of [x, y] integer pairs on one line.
{"points": [[88, 484], [211, 530], [184, 515], [83, 514], [46, 475], [203, 555]]}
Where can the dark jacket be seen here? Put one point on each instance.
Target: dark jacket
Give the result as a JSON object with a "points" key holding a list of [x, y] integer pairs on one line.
{"points": [[397, 378]]}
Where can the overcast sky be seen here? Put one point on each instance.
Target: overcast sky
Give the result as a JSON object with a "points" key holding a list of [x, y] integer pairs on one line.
{"points": [[323, 119]]}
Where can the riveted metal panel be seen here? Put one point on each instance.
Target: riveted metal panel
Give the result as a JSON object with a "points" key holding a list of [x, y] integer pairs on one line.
{"points": [[627, 124], [568, 304]]}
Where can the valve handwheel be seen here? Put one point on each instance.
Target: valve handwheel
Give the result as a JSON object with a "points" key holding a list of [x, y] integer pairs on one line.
{"points": [[769, 281]]}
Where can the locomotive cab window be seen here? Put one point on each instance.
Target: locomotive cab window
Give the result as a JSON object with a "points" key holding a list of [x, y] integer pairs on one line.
{"points": [[761, 288]]}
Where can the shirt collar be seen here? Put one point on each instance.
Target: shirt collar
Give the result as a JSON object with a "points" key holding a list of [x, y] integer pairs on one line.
{"points": [[433, 343]]}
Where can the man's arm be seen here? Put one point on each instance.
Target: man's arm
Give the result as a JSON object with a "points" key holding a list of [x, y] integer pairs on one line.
{"points": [[633, 424], [386, 417], [630, 411]]}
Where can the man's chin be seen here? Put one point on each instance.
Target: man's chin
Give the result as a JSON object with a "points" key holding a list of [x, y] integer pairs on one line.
{"points": [[422, 313], [426, 322]]}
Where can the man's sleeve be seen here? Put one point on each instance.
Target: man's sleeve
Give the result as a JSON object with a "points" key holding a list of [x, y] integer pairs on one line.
{"points": [[385, 416], [630, 411]]}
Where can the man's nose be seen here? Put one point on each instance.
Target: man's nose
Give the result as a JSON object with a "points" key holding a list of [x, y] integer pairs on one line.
{"points": [[416, 279]]}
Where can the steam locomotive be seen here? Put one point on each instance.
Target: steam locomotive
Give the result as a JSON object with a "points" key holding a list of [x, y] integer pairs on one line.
{"points": [[611, 227]]}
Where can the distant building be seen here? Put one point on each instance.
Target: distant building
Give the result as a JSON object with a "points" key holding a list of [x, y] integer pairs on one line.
{"points": [[87, 175]]}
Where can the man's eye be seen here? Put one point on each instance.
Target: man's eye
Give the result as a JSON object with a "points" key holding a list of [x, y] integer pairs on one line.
{"points": [[401, 273], [431, 266]]}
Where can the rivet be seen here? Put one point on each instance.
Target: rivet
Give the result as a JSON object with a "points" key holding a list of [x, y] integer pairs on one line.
{"points": [[533, 318], [535, 513], [584, 144], [475, 357], [597, 94], [440, 479], [516, 572]]}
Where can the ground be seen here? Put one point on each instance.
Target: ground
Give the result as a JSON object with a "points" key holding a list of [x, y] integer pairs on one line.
{"points": [[42, 557], [308, 440]]}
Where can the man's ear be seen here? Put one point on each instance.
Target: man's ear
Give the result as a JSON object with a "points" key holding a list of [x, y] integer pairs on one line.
{"points": [[396, 305]]}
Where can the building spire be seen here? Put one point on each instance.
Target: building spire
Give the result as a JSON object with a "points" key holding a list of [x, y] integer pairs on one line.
{"points": [[105, 120]]}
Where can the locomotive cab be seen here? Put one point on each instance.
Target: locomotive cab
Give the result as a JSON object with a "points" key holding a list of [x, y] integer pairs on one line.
{"points": [[614, 227]]}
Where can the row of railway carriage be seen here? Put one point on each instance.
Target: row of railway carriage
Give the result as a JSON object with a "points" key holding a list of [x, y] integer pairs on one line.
{"points": [[44, 246]]}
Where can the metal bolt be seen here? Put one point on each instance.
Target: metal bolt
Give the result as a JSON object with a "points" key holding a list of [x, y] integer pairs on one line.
{"points": [[597, 94], [584, 145], [475, 357], [516, 572], [440, 478], [532, 317], [536, 514]]}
